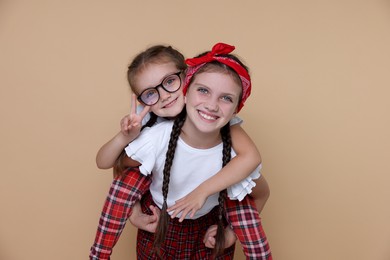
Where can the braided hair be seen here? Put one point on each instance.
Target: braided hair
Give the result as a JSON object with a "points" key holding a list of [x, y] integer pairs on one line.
{"points": [[226, 157], [162, 226]]}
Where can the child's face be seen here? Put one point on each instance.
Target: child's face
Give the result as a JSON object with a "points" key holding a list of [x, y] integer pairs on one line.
{"points": [[211, 100], [169, 104]]}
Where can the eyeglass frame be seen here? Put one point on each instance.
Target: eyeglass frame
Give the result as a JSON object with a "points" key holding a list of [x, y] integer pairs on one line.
{"points": [[162, 86]]}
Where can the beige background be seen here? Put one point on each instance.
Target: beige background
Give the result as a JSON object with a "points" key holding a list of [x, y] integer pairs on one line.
{"points": [[319, 114]]}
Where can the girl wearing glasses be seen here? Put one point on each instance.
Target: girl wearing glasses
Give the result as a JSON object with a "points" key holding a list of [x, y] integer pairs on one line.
{"points": [[155, 77]]}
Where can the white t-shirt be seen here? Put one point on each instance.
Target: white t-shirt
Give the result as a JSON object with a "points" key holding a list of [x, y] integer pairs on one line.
{"points": [[190, 167]]}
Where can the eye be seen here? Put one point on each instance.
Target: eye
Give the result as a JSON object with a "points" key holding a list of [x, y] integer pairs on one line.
{"points": [[202, 90], [227, 99], [148, 94], [169, 81]]}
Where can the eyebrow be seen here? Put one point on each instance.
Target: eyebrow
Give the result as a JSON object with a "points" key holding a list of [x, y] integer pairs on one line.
{"points": [[163, 77], [223, 93]]}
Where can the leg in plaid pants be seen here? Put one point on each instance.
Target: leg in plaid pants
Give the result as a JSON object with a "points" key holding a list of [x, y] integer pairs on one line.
{"points": [[124, 192], [246, 224], [127, 189]]}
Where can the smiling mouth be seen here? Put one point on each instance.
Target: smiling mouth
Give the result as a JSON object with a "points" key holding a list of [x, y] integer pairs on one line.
{"points": [[170, 103], [207, 116]]}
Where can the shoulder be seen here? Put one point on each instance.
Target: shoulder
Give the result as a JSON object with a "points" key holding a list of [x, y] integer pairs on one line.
{"points": [[157, 131], [151, 141], [162, 126]]}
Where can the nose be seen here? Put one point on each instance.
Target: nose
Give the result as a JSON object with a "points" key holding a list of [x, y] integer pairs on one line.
{"points": [[211, 106], [164, 95]]}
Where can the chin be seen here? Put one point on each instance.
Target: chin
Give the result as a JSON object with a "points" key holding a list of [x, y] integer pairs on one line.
{"points": [[178, 107], [177, 110], [170, 112]]}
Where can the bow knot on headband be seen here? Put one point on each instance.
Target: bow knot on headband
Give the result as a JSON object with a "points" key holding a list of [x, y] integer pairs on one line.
{"points": [[218, 49], [217, 54]]}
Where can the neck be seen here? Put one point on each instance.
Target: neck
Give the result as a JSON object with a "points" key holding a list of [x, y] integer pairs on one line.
{"points": [[197, 139]]}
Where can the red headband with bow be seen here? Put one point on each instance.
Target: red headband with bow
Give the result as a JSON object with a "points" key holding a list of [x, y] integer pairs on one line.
{"points": [[219, 49]]}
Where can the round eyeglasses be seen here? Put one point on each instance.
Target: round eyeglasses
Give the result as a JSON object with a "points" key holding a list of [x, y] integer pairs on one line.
{"points": [[170, 83]]}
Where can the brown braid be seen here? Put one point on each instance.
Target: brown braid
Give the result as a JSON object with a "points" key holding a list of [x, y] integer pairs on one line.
{"points": [[226, 156], [119, 168], [152, 120], [162, 226]]}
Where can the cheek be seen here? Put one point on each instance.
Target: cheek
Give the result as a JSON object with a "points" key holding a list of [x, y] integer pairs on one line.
{"points": [[229, 109], [189, 97], [154, 108], [192, 100]]}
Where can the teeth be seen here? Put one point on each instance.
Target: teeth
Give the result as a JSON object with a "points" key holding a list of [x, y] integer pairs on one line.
{"points": [[208, 117]]}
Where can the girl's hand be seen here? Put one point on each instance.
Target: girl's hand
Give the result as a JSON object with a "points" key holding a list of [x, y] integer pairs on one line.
{"points": [[189, 204], [144, 221], [209, 237], [132, 123]]}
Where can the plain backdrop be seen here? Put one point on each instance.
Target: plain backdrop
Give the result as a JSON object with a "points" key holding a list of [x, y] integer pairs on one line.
{"points": [[319, 114]]}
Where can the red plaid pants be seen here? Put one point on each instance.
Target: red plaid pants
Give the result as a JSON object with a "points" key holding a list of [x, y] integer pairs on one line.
{"points": [[184, 240], [127, 189], [124, 192], [245, 221]]}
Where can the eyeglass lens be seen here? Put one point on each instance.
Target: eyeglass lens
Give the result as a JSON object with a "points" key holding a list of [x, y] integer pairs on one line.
{"points": [[170, 84]]}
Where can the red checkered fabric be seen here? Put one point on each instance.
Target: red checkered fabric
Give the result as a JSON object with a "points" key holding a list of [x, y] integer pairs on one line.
{"points": [[184, 240], [124, 192], [246, 224]]}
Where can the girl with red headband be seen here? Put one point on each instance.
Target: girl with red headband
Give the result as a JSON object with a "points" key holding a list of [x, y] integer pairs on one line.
{"points": [[233, 215]]}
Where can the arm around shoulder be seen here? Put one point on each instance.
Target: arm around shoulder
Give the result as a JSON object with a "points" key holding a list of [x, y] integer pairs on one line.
{"points": [[245, 147], [240, 167], [109, 152]]}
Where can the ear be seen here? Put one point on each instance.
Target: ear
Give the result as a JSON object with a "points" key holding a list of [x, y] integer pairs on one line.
{"points": [[235, 111]]}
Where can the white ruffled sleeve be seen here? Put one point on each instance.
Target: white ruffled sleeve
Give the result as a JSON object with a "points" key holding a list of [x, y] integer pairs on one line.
{"points": [[142, 149], [239, 190]]}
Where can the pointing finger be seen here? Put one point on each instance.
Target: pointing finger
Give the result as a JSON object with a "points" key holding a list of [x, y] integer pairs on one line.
{"points": [[133, 104]]}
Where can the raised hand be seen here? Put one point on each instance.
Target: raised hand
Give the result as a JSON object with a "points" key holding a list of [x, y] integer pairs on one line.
{"points": [[131, 124], [189, 204], [130, 129]]}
